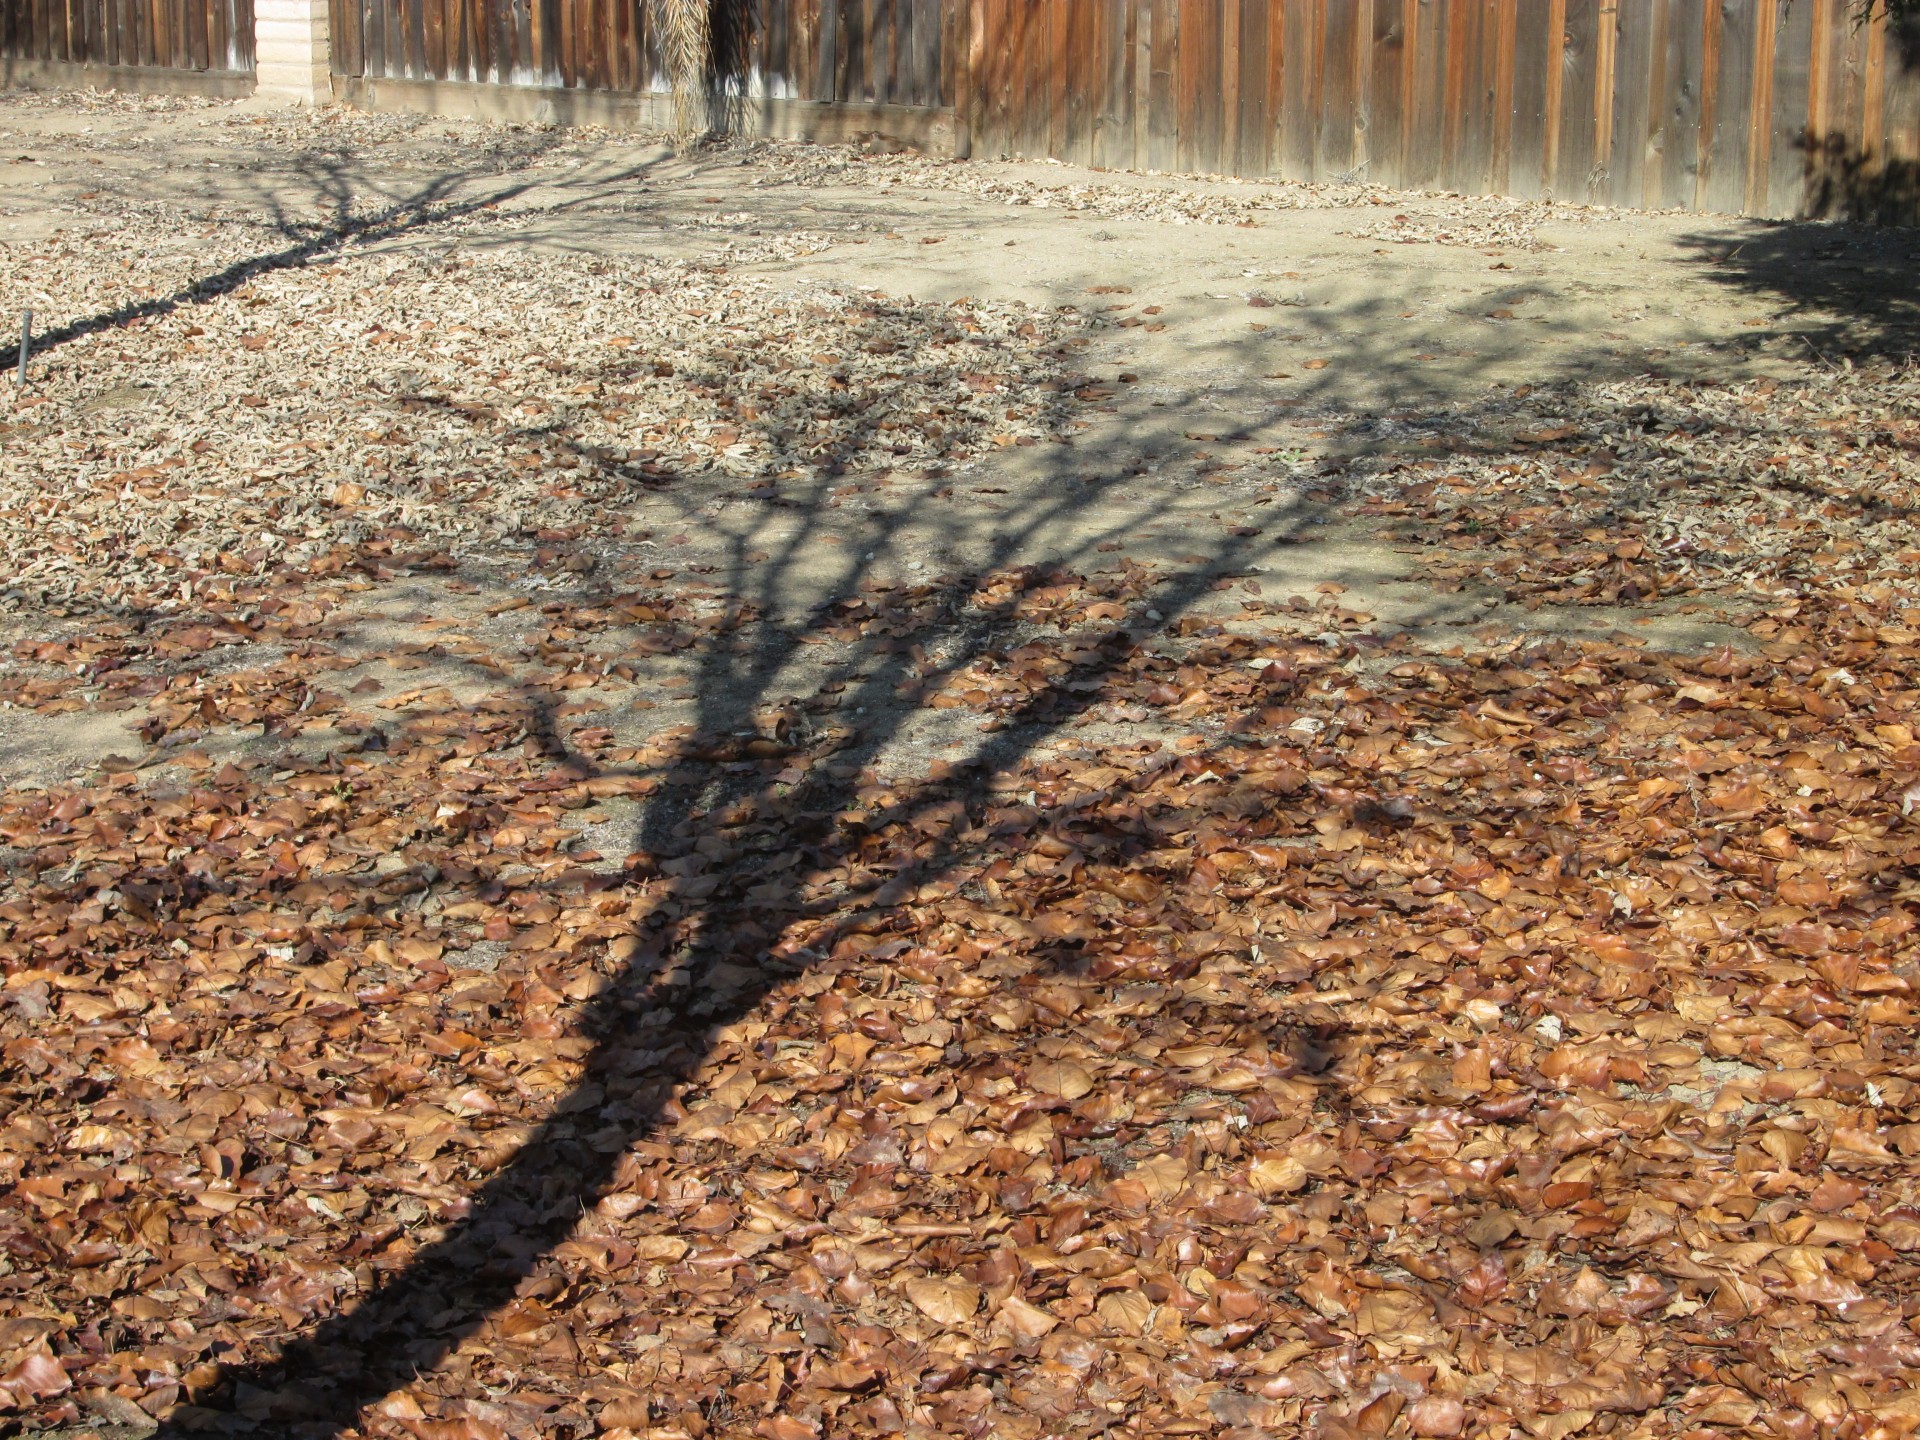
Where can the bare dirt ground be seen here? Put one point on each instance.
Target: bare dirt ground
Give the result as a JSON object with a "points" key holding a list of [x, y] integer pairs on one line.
{"points": [[1229, 343], [1323, 773]]}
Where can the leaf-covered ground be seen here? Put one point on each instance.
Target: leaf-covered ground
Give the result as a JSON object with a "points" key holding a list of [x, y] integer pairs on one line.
{"points": [[1265, 1023]]}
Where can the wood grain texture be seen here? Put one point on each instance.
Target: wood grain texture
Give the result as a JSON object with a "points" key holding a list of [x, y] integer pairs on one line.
{"points": [[1163, 113], [1386, 91], [1339, 60], [1781, 186]]}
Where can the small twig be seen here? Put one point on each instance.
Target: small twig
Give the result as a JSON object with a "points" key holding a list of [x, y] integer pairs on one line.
{"points": [[26, 346]]}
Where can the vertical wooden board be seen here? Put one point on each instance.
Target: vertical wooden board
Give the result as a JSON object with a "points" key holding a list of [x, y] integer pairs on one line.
{"points": [[1140, 76], [1900, 116], [1653, 142], [1001, 58], [1606, 55], [1632, 100], [800, 19], [1035, 96], [1819, 69], [928, 53], [1874, 91], [1726, 180], [1063, 72], [373, 37], [826, 47], [851, 49], [1186, 81], [1846, 70], [1304, 43], [1163, 100], [394, 18], [1578, 155], [1427, 126], [840, 33], [1228, 161], [1766, 17], [1211, 135], [1111, 145], [896, 69], [1710, 39], [1386, 118], [459, 42], [1334, 116], [570, 40], [1078, 75], [1016, 79], [1504, 27], [1783, 188], [1100, 80], [855, 60], [627, 71], [900, 42], [1682, 143], [341, 40], [599, 42], [415, 30], [916, 50], [1254, 157], [1475, 49]]}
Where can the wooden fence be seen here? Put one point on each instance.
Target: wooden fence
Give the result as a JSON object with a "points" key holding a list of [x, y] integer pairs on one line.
{"points": [[213, 36], [850, 52], [1766, 107]]}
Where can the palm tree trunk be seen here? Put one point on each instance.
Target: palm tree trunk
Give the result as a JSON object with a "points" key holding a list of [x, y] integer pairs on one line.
{"points": [[686, 45]]}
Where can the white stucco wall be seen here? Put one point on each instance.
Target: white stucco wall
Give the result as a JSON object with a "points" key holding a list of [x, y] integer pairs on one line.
{"points": [[290, 56]]}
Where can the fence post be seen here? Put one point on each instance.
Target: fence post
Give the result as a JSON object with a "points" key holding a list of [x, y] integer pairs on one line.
{"points": [[292, 56]]}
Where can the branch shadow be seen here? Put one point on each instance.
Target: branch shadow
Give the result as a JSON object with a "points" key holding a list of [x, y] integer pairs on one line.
{"points": [[733, 918]]}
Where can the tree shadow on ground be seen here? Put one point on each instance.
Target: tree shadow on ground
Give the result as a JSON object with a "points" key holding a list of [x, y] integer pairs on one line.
{"points": [[1851, 290], [759, 854]]}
